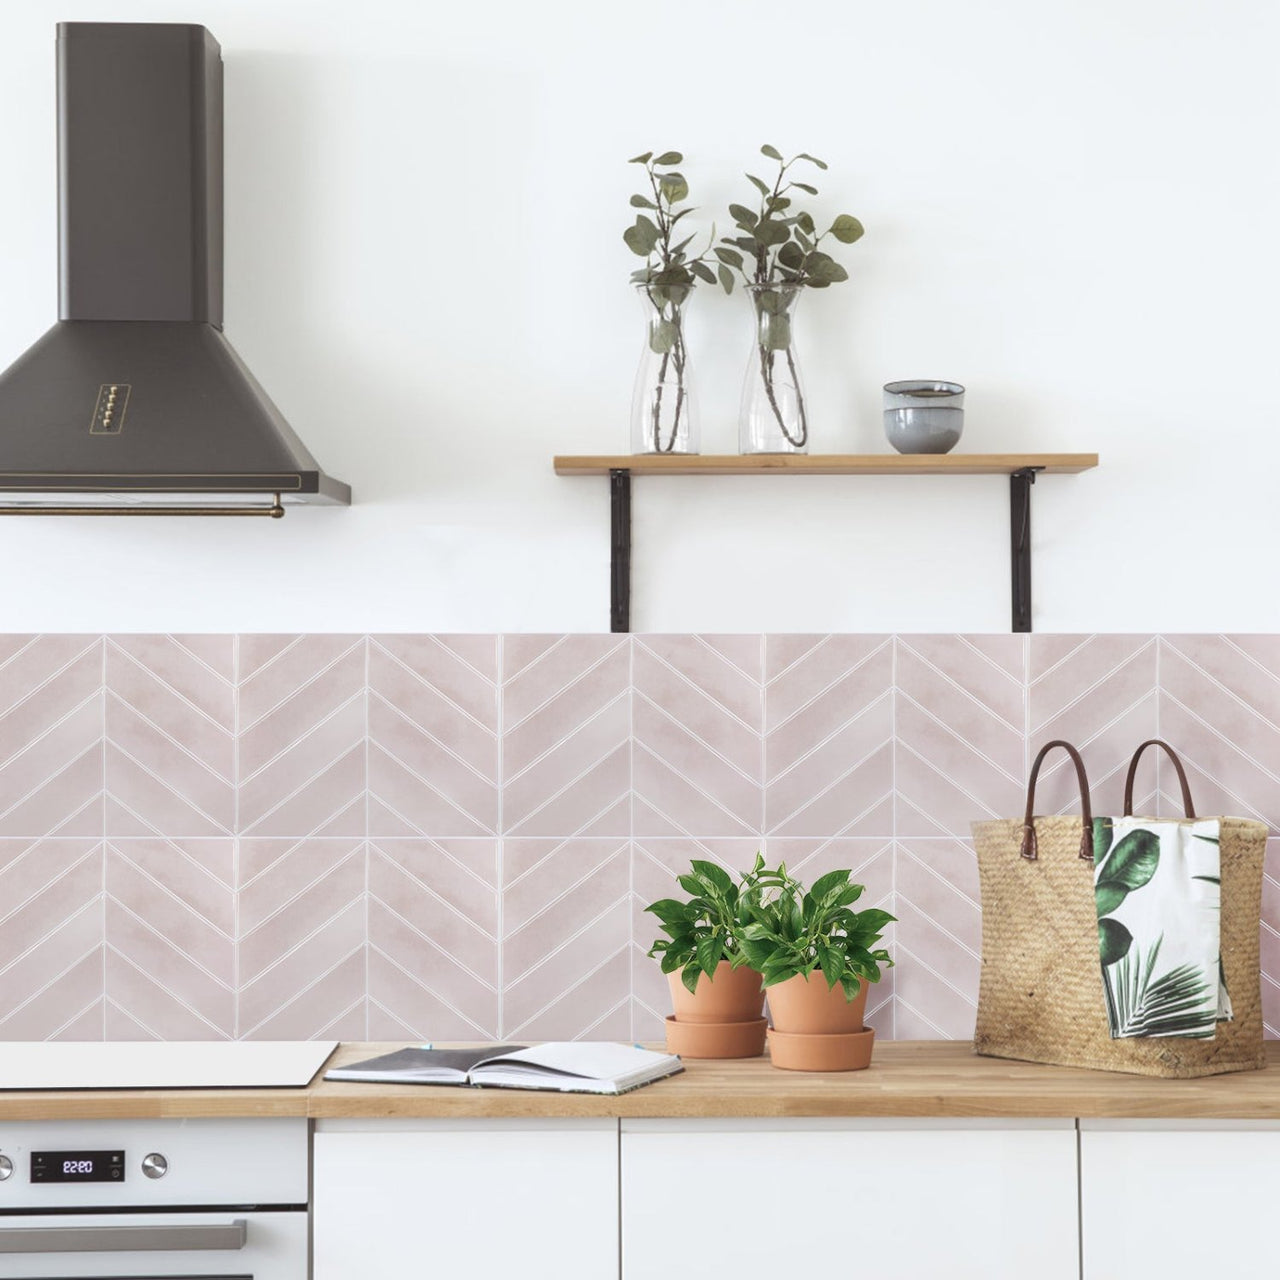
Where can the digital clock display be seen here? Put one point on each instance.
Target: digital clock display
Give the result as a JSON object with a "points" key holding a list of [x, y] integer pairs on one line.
{"points": [[77, 1166]]}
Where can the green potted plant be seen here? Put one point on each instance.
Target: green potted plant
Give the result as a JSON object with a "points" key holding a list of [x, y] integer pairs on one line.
{"points": [[717, 996], [777, 250], [663, 418], [816, 955]]}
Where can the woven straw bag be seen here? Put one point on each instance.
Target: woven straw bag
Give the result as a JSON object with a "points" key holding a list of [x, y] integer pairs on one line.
{"points": [[1041, 997]]}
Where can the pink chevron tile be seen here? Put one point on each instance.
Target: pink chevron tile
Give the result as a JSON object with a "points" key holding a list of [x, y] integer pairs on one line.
{"points": [[566, 922], [655, 864], [433, 736], [51, 728], [1230, 748], [50, 936], [1101, 696], [302, 736], [333, 1007], [170, 727], [958, 686], [170, 934], [697, 722], [828, 748], [595, 1007], [944, 782], [939, 933], [301, 946], [566, 749], [433, 937]]}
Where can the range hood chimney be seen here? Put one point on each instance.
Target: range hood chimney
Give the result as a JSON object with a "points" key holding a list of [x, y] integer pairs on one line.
{"points": [[134, 402]]}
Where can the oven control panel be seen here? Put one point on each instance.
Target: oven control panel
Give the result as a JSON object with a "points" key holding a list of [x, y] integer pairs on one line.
{"points": [[77, 1166], [65, 1165]]}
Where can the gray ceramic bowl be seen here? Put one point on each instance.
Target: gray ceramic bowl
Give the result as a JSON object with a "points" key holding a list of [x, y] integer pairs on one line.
{"points": [[923, 416]]}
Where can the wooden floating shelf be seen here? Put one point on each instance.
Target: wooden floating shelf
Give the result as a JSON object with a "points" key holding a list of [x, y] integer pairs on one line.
{"points": [[827, 464], [1021, 468]]}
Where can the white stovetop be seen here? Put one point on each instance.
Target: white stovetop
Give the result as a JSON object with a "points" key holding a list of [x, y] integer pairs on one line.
{"points": [[156, 1064]]}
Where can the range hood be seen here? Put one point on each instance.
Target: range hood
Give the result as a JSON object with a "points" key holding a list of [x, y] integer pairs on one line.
{"points": [[134, 403]]}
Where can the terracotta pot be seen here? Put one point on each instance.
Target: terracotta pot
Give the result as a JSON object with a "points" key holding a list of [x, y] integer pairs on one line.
{"points": [[716, 1039], [806, 1006], [731, 995], [845, 1051]]}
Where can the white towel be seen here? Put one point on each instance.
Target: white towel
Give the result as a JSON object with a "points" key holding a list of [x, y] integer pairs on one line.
{"points": [[1157, 888]]}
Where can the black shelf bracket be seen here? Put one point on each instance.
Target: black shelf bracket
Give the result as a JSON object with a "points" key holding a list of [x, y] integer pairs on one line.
{"points": [[1020, 483], [620, 555]]}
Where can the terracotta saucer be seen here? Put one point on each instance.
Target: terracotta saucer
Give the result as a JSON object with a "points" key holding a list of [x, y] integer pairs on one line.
{"points": [[844, 1051], [716, 1039]]}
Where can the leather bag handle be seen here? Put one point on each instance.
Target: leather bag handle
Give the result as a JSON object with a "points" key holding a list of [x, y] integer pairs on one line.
{"points": [[1187, 807], [1029, 850]]}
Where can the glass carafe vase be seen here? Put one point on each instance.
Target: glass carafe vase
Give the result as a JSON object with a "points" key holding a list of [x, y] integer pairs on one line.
{"points": [[773, 417], [663, 413]]}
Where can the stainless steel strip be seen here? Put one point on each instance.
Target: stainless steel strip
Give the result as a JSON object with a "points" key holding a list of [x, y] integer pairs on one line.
{"points": [[275, 511], [214, 1235]]}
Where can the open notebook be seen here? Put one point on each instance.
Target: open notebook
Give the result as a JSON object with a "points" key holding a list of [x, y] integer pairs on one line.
{"points": [[566, 1066]]}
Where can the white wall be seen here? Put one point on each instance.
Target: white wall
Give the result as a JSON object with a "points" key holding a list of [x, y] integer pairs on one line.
{"points": [[1074, 210]]}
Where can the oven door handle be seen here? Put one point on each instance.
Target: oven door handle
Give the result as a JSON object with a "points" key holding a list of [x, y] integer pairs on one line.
{"points": [[214, 1235]]}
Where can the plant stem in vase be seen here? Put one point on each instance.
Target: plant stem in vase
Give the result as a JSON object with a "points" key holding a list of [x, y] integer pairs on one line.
{"points": [[663, 417], [778, 252], [773, 417]]}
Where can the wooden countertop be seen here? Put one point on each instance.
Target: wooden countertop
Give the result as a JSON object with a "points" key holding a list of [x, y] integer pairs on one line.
{"points": [[906, 1078]]}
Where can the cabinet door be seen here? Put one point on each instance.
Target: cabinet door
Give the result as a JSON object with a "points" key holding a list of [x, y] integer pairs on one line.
{"points": [[476, 1198], [897, 1200], [1161, 1199]]}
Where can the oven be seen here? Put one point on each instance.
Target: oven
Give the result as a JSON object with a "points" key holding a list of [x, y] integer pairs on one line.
{"points": [[215, 1199]]}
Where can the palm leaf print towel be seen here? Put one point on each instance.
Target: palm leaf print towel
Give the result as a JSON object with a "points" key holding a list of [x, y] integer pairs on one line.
{"points": [[1157, 888]]}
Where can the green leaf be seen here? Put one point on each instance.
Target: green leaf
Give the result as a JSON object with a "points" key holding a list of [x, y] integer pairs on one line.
{"points": [[1107, 897], [669, 157], [1114, 940], [716, 875], [690, 977], [846, 228], [669, 910], [823, 270], [804, 186], [643, 237], [642, 202], [760, 185], [770, 232], [772, 152], [806, 224], [804, 155], [742, 215], [702, 271], [673, 187], [662, 336], [791, 255], [1102, 834], [726, 278], [824, 885], [644, 159], [709, 951], [730, 256], [1209, 879], [1133, 861]]}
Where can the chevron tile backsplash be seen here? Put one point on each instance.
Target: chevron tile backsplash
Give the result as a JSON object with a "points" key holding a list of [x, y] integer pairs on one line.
{"points": [[439, 836]]}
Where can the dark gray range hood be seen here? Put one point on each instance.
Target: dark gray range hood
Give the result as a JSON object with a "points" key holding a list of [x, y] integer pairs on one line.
{"points": [[135, 402]]}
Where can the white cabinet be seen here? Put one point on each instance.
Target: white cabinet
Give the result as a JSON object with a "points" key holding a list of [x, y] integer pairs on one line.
{"points": [[477, 1198], [1163, 1200], [893, 1199]]}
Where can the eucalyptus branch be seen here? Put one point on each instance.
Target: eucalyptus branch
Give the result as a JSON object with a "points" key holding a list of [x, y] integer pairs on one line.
{"points": [[667, 277]]}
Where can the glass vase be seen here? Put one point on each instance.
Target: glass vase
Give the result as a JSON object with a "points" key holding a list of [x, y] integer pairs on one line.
{"points": [[663, 414], [773, 418]]}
